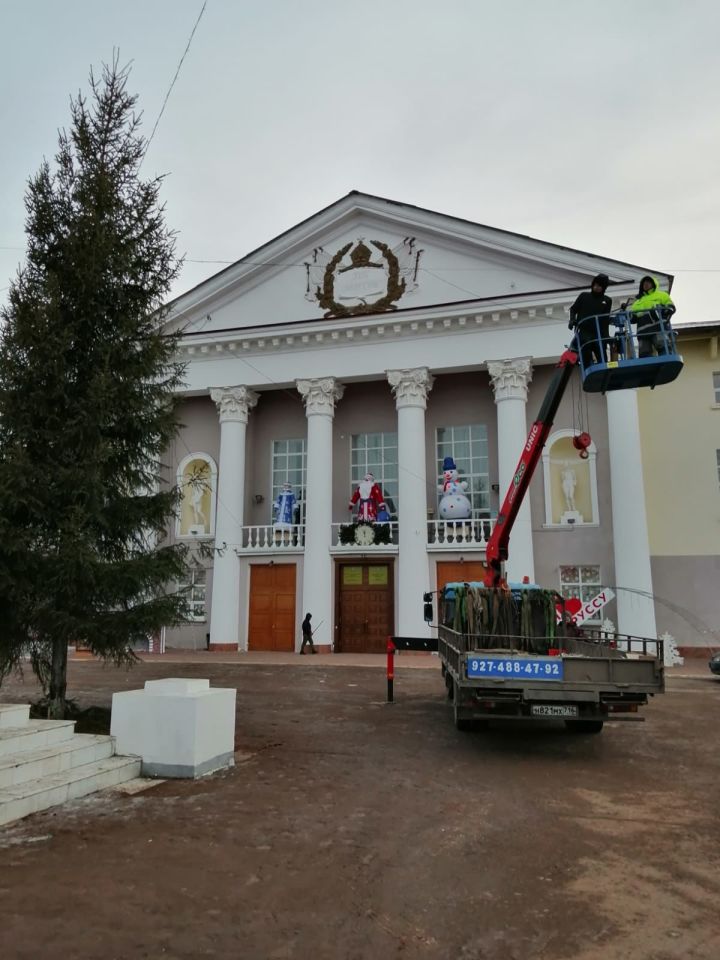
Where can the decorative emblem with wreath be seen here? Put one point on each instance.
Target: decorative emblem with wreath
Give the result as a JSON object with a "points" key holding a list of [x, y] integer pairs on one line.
{"points": [[378, 283]]}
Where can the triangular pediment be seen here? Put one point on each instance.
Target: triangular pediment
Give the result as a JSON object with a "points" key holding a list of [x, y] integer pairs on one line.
{"points": [[363, 256]]}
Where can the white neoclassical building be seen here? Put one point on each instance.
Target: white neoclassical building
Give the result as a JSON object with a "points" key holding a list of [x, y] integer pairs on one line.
{"points": [[380, 338]]}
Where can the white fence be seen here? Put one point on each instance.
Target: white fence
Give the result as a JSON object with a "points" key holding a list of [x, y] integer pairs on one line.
{"points": [[268, 537], [441, 535], [452, 534]]}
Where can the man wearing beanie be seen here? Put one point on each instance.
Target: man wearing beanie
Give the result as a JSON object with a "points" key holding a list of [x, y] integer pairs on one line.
{"points": [[587, 307]]}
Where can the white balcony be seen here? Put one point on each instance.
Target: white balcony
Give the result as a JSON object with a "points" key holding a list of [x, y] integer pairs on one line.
{"points": [[460, 534], [270, 539], [442, 535]]}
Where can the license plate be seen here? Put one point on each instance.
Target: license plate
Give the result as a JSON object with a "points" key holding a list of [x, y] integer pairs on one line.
{"points": [[516, 668], [553, 710]]}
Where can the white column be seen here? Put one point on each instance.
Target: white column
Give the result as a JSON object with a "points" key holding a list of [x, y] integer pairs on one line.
{"points": [[411, 388], [234, 405], [636, 611], [320, 397], [510, 379]]}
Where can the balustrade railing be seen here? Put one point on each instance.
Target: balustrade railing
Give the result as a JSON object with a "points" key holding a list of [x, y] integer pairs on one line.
{"points": [[447, 534], [456, 533], [268, 537]]}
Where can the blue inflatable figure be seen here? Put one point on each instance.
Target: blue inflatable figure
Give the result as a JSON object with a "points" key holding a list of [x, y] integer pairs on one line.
{"points": [[284, 508]]}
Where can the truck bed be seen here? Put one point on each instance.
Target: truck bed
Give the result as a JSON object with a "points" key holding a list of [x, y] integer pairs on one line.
{"points": [[589, 682]]}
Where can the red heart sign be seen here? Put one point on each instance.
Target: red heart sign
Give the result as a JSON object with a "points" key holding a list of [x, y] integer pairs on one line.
{"points": [[573, 606]]}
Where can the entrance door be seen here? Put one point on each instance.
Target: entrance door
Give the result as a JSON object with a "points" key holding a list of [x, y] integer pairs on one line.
{"points": [[272, 607], [456, 572], [365, 607]]}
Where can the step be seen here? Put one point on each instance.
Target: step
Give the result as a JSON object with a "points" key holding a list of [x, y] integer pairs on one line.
{"points": [[36, 795], [43, 761], [14, 714], [35, 733]]}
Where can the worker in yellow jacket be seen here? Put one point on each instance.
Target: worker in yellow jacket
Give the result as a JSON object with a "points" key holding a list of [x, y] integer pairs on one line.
{"points": [[651, 311]]}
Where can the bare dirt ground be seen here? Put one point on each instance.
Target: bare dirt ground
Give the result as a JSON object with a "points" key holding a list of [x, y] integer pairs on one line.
{"points": [[351, 829]]}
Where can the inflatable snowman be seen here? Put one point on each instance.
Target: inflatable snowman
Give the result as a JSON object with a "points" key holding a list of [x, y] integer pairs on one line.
{"points": [[454, 505]]}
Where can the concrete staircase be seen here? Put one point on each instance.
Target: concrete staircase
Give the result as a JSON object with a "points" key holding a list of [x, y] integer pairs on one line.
{"points": [[44, 763]]}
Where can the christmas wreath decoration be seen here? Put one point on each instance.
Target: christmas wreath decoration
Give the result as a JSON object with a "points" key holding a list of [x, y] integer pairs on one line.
{"points": [[381, 531]]}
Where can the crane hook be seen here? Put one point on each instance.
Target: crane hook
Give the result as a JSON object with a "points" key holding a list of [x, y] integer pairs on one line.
{"points": [[581, 442]]}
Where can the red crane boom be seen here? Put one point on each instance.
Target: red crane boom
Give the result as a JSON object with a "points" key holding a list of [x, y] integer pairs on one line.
{"points": [[497, 549]]}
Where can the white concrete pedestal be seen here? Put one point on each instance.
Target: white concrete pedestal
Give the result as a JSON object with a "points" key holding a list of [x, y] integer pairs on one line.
{"points": [[178, 727], [572, 516]]}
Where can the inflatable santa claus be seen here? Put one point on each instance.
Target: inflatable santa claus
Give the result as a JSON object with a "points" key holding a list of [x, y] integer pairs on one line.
{"points": [[369, 499]]}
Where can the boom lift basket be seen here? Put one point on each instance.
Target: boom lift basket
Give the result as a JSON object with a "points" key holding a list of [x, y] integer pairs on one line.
{"points": [[613, 357]]}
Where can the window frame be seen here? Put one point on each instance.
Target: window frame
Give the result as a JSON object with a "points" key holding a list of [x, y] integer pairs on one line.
{"points": [[478, 513], [596, 587], [716, 386], [195, 576], [276, 488], [386, 478]]}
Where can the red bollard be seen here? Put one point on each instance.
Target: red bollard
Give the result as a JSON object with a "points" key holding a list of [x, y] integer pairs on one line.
{"points": [[390, 668]]}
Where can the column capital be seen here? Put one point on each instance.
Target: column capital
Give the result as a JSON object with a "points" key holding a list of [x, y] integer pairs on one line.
{"points": [[234, 403], [320, 395], [411, 387], [510, 378]]}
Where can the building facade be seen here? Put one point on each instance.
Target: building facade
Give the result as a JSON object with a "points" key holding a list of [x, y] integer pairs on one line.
{"points": [[680, 431], [380, 338]]}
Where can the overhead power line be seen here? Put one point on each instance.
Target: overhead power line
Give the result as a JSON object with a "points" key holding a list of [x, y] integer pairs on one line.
{"points": [[179, 66]]}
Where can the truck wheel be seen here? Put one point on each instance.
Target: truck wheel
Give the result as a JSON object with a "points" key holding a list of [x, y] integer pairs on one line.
{"points": [[461, 723], [465, 725], [584, 726]]}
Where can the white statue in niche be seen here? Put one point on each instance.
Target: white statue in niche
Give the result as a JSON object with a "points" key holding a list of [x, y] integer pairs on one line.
{"points": [[569, 482], [197, 493]]}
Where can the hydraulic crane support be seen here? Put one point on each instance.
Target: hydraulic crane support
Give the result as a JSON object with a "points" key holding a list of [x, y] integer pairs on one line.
{"points": [[497, 549]]}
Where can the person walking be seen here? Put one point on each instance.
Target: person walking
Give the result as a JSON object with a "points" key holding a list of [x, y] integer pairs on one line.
{"points": [[307, 634], [590, 315]]}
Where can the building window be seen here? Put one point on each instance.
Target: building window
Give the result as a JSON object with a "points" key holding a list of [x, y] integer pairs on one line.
{"points": [[289, 465], [376, 453], [581, 583], [468, 446], [193, 588], [716, 386]]}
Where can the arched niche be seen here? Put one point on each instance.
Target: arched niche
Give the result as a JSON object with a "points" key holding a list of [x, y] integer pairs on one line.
{"points": [[571, 496], [197, 482]]}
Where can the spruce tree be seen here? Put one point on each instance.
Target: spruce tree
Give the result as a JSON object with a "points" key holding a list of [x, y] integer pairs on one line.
{"points": [[88, 403]]}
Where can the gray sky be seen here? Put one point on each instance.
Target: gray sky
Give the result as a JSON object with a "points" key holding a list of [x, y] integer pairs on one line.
{"points": [[590, 124]]}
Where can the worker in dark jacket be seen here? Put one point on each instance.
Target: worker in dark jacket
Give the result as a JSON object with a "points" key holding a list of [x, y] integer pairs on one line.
{"points": [[307, 634], [651, 311], [590, 315]]}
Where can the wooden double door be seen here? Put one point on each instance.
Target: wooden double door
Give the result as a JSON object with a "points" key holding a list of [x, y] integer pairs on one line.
{"points": [[459, 571], [272, 607], [365, 606]]}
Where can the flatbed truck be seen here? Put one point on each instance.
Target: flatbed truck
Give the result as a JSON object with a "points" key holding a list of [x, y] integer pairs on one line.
{"points": [[500, 661]]}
